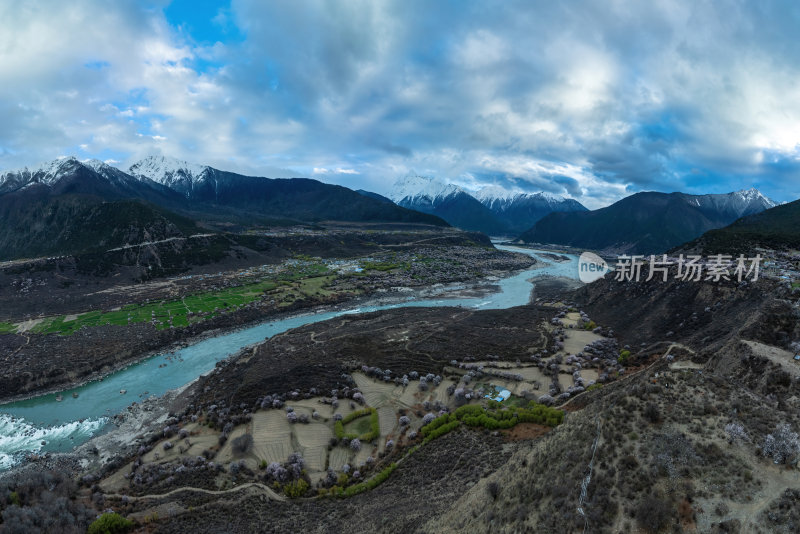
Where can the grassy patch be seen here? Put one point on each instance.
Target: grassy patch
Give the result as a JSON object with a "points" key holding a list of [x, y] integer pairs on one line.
{"points": [[344, 428], [7, 328], [358, 427], [492, 418], [286, 287]]}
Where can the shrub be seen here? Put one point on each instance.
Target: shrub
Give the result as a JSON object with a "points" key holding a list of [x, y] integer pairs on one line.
{"points": [[654, 514], [110, 523], [493, 488], [404, 421], [367, 484], [651, 413], [242, 444], [355, 444], [295, 489]]}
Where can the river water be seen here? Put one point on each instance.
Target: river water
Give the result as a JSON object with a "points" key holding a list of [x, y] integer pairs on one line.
{"points": [[43, 424]]}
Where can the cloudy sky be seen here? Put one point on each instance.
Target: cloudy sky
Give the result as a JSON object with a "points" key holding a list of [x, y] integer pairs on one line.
{"points": [[589, 99]]}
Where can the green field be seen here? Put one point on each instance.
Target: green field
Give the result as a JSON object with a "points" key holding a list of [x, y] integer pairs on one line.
{"points": [[286, 288], [359, 426], [7, 328]]}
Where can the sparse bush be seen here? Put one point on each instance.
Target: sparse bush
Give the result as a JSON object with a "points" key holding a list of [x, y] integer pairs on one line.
{"points": [[651, 413], [654, 514], [110, 523], [493, 488]]}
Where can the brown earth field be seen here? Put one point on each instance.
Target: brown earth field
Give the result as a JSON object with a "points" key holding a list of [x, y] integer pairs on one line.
{"points": [[402, 340]]}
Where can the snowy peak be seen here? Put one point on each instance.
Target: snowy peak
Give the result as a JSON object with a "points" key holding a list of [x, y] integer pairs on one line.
{"points": [[49, 173], [754, 195], [414, 188], [500, 199], [176, 174], [491, 193], [736, 204], [493, 209]]}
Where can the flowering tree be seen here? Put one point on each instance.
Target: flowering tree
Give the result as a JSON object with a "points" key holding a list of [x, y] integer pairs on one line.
{"points": [[782, 444], [355, 444], [736, 432]]}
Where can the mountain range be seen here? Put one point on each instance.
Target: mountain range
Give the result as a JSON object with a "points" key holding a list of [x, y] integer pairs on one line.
{"points": [[778, 227], [61, 207], [647, 222], [492, 210]]}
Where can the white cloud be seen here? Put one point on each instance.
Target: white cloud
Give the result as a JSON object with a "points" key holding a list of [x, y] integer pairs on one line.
{"points": [[593, 100]]}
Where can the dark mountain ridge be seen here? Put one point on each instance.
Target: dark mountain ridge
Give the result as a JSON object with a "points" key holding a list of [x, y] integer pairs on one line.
{"points": [[647, 222]]}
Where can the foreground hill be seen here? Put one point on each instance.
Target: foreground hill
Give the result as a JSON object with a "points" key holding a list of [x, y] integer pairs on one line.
{"points": [[696, 434], [777, 228], [646, 223]]}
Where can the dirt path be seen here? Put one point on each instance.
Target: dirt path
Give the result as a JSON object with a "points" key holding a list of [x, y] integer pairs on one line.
{"points": [[784, 358], [776, 480], [266, 489]]}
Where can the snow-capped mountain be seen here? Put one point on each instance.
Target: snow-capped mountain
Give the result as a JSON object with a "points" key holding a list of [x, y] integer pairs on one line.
{"points": [[647, 222], [736, 204], [243, 197], [414, 188], [180, 176], [448, 201], [498, 198], [47, 173], [503, 211], [91, 176]]}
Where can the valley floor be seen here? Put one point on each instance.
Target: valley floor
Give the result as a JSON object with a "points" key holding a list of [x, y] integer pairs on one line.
{"points": [[668, 402]]}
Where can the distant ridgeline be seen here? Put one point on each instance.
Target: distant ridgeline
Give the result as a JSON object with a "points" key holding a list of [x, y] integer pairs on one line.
{"points": [[776, 228], [492, 210], [647, 223]]}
